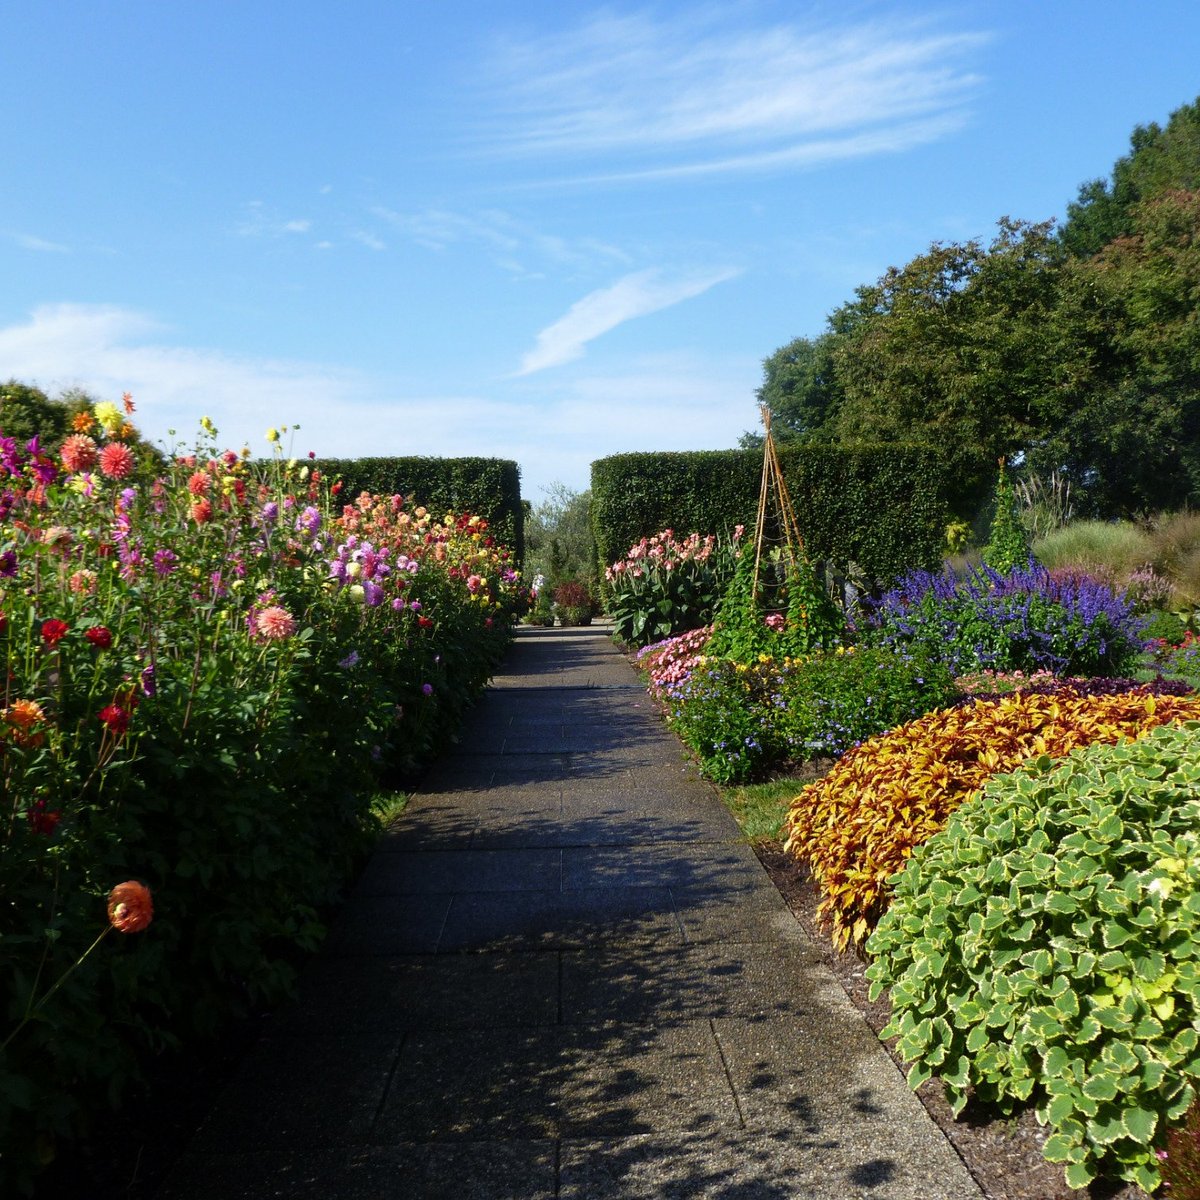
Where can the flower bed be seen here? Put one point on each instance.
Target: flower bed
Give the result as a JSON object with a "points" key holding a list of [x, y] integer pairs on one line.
{"points": [[1043, 949], [859, 824], [1024, 619], [210, 668]]}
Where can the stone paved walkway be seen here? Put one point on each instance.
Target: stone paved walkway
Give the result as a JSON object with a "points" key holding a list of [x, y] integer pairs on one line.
{"points": [[564, 975]]}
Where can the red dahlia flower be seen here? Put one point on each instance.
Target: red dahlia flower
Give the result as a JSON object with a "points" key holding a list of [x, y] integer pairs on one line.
{"points": [[54, 630], [100, 637], [114, 718]]}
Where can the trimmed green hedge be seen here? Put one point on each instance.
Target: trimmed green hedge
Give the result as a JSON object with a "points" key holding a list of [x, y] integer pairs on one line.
{"points": [[881, 507], [486, 487]]}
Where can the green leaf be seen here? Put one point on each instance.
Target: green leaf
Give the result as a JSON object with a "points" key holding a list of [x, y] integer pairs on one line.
{"points": [[1058, 1148], [918, 1073], [1067, 1004], [1079, 1175], [1100, 1087], [1140, 1123], [1115, 934], [1103, 1131], [1055, 1061], [977, 1038]]}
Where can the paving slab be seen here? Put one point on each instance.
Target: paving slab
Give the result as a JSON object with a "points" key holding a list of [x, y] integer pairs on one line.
{"points": [[508, 1170], [564, 974], [557, 1081], [560, 920], [403, 993], [416, 872]]}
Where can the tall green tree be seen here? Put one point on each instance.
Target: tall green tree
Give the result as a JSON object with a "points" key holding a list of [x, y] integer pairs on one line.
{"points": [[801, 390], [1160, 159], [26, 412], [1126, 428], [559, 544], [955, 351]]}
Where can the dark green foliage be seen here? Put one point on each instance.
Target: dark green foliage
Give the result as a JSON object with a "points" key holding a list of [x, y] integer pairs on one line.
{"points": [[1008, 546], [486, 487], [558, 539], [880, 507], [800, 386], [788, 593], [745, 720], [27, 412], [1078, 350]]}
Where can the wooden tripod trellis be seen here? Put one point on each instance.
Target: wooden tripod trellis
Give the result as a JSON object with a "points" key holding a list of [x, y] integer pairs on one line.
{"points": [[773, 485]]}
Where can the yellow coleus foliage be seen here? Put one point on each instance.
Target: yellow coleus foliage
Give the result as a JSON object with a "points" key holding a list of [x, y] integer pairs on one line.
{"points": [[858, 825]]}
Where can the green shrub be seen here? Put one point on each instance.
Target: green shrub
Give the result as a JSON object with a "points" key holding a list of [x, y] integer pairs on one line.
{"points": [[1045, 948], [745, 719], [786, 613], [664, 586], [1166, 627], [1008, 543]]}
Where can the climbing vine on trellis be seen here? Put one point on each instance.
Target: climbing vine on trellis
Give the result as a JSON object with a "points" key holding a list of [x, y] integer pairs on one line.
{"points": [[775, 603]]}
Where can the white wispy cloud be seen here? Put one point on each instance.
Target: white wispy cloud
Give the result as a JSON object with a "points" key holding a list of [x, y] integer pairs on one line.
{"points": [[108, 350], [680, 401], [28, 241], [260, 220], [696, 94], [634, 295], [514, 245]]}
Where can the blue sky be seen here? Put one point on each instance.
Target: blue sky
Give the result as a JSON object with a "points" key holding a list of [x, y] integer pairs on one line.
{"points": [[538, 230]]}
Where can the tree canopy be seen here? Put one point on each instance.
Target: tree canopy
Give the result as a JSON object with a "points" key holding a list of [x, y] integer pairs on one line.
{"points": [[1075, 350]]}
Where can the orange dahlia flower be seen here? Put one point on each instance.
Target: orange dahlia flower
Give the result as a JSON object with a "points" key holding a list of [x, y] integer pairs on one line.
{"points": [[129, 907], [78, 452], [116, 460], [23, 716]]}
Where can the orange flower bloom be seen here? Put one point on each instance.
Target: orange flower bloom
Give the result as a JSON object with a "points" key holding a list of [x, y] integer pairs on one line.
{"points": [[199, 482], [202, 512], [129, 907], [127, 400], [22, 716], [116, 460], [83, 422], [78, 452]]}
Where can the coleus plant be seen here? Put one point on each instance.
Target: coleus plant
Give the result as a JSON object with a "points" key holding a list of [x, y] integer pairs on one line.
{"points": [[1044, 948]]}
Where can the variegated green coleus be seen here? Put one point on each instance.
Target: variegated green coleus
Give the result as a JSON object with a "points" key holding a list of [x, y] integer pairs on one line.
{"points": [[1045, 948]]}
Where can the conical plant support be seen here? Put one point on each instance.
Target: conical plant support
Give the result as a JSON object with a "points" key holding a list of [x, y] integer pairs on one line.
{"points": [[774, 488], [812, 620]]}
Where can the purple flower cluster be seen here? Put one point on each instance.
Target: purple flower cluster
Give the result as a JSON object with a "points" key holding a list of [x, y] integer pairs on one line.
{"points": [[1096, 686], [1023, 619]]}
